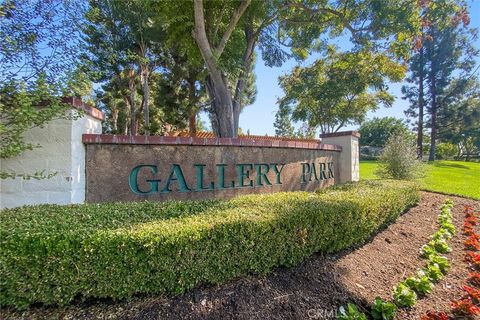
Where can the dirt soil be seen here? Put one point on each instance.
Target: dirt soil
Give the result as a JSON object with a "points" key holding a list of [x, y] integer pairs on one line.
{"points": [[313, 290]]}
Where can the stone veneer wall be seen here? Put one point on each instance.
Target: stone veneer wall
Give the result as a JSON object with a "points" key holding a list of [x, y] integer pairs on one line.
{"points": [[100, 174], [111, 159], [62, 151]]}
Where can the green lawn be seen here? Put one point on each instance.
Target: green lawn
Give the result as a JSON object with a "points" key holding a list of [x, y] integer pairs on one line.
{"points": [[452, 177]]}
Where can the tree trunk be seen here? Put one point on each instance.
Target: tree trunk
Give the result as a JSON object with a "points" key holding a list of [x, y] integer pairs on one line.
{"points": [[468, 149], [459, 152], [219, 92], [126, 129], [433, 108], [192, 120], [133, 108], [222, 106], [243, 78], [192, 124], [115, 120], [420, 108], [236, 115], [144, 75]]}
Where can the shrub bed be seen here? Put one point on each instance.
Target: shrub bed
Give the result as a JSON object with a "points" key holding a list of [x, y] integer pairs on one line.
{"points": [[53, 254]]}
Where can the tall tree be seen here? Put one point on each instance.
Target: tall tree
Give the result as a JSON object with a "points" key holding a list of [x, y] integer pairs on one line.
{"points": [[459, 117], [443, 52], [179, 93], [449, 50], [246, 21], [121, 41], [297, 24], [416, 93]]}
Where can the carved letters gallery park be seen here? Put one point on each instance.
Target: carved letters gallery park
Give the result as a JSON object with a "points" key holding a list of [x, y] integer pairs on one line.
{"points": [[243, 179], [187, 227]]}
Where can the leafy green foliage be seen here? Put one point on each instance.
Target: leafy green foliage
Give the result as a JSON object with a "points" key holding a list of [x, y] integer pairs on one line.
{"points": [[440, 246], [38, 37], [351, 313], [399, 159], [376, 132], [383, 310], [446, 150], [427, 250], [51, 254], [445, 219], [433, 272], [440, 261], [421, 283], [404, 296], [40, 43], [442, 234], [339, 89], [283, 123], [23, 108]]}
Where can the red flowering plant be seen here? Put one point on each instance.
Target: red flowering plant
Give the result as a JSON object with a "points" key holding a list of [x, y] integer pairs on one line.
{"points": [[468, 306], [432, 315], [468, 211], [474, 279], [473, 258], [471, 220], [475, 236], [471, 243], [468, 229], [473, 294], [465, 308], [470, 256]]}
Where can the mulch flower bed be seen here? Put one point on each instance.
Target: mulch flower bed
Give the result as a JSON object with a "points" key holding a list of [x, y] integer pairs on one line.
{"points": [[319, 286], [468, 306]]}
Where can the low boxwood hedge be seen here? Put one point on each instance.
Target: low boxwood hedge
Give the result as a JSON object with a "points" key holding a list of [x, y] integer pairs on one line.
{"points": [[52, 254]]}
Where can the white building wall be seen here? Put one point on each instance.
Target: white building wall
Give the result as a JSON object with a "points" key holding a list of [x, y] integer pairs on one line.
{"points": [[61, 151], [86, 124]]}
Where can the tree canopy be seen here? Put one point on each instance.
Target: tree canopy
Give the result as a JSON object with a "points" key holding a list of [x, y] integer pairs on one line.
{"points": [[226, 34], [40, 45], [376, 132], [339, 89]]}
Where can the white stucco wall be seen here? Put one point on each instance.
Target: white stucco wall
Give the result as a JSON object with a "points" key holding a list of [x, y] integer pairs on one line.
{"points": [[349, 157], [61, 151]]}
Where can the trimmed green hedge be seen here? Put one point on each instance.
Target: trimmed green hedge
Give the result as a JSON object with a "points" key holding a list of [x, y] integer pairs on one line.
{"points": [[52, 254]]}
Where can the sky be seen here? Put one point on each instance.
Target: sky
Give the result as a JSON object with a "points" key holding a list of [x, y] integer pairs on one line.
{"points": [[259, 117]]}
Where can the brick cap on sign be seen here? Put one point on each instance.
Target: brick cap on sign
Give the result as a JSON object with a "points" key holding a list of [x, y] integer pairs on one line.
{"points": [[195, 141], [77, 103], [341, 134]]}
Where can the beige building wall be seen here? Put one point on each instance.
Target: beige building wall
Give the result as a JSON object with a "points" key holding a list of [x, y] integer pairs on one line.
{"points": [[350, 155]]}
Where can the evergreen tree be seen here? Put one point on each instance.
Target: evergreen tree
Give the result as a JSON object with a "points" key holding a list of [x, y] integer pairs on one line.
{"points": [[459, 117], [444, 53], [283, 123]]}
